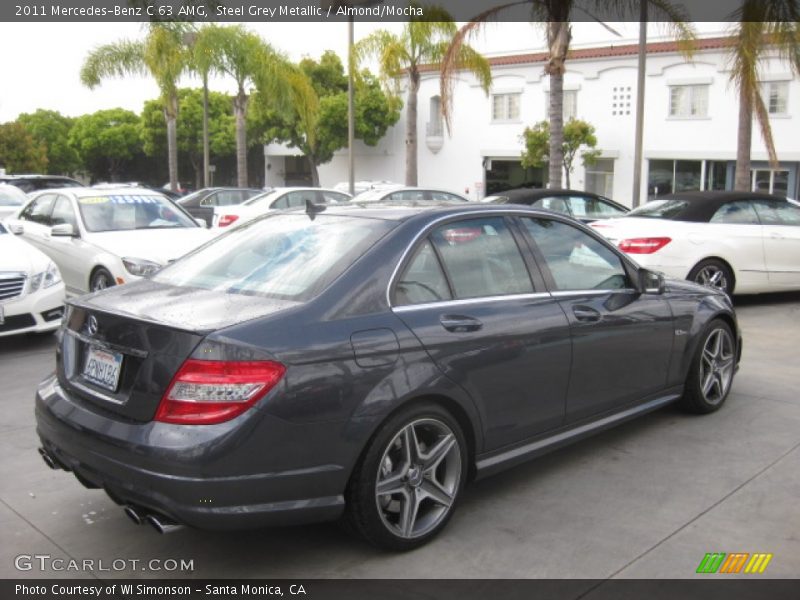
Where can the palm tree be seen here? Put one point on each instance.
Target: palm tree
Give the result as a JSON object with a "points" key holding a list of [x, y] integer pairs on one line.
{"points": [[163, 56], [763, 26], [555, 17], [422, 43], [252, 63]]}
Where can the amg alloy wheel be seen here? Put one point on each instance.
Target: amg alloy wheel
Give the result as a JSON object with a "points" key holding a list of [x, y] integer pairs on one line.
{"points": [[407, 485], [712, 370]]}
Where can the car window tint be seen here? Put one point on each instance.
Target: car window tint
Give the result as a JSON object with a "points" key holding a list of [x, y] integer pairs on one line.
{"points": [[63, 213], [775, 212], [282, 202], [298, 199], [229, 198], [482, 258], [210, 200], [39, 210], [587, 207], [423, 280], [576, 260], [740, 213], [406, 196], [553, 203]]}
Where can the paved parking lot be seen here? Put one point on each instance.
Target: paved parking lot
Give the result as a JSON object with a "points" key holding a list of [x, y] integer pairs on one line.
{"points": [[647, 499]]}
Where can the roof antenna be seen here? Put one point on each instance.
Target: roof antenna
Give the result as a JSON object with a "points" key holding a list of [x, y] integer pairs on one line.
{"points": [[312, 209]]}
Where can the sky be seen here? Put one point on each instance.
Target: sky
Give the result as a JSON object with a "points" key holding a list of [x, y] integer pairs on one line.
{"points": [[40, 62]]}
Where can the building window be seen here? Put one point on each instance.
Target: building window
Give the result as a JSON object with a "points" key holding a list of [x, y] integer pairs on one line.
{"points": [[688, 101], [570, 105], [505, 107], [668, 176], [435, 120], [770, 181], [621, 101], [600, 177], [776, 96]]}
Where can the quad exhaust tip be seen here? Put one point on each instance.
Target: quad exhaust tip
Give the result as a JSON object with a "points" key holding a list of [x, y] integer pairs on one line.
{"points": [[162, 524], [48, 460], [133, 515]]}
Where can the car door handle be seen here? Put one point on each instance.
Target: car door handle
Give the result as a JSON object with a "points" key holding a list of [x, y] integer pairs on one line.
{"points": [[460, 323], [586, 314]]}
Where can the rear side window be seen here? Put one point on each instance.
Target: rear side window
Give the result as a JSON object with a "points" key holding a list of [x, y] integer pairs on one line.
{"points": [[39, 210], [586, 207], [775, 212], [576, 260], [556, 204], [423, 280], [736, 213], [482, 258]]}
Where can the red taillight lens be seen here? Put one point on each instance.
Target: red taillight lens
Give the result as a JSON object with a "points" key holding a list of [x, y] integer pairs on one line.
{"points": [[461, 235], [226, 220], [204, 392], [643, 245]]}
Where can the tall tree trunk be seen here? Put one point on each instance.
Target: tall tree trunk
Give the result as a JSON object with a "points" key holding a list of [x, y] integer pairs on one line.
{"points": [[558, 37], [566, 176], [240, 111], [411, 127], [742, 181], [171, 115], [206, 150], [312, 167]]}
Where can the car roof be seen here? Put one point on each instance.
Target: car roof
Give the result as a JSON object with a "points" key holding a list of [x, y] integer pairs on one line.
{"points": [[703, 205], [539, 193], [85, 192], [402, 211]]}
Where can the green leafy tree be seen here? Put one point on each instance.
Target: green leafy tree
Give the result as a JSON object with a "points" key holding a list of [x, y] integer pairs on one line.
{"points": [[579, 138], [375, 112], [221, 127], [421, 44], [164, 56], [763, 27], [106, 141], [243, 56], [555, 17], [51, 129], [19, 151]]}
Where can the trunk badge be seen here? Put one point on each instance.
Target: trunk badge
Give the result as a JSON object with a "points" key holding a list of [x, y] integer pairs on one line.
{"points": [[91, 325]]}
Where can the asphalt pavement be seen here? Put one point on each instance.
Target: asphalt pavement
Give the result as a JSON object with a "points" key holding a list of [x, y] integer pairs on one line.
{"points": [[646, 500]]}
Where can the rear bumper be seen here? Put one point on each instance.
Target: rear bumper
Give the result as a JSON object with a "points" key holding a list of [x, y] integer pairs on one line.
{"points": [[177, 473]]}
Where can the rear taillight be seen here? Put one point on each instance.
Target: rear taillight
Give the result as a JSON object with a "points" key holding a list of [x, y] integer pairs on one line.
{"points": [[204, 392], [646, 245], [226, 220]]}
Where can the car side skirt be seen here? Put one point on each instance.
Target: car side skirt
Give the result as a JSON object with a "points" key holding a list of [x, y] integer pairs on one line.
{"points": [[508, 458]]}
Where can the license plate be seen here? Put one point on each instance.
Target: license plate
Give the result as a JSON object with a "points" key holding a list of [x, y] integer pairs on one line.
{"points": [[102, 368]]}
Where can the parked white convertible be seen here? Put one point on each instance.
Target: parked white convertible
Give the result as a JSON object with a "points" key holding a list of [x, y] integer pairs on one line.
{"points": [[31, 290], [100, 238], [738, 242]]}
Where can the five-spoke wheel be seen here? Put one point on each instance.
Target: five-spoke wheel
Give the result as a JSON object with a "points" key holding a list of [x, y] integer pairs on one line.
{"points": [[406, 486]]}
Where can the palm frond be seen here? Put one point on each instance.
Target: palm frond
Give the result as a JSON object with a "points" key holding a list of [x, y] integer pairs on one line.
{"points": [[118, 59]]}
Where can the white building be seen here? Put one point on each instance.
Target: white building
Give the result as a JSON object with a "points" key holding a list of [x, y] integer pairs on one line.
{"points": [[691, 114]]}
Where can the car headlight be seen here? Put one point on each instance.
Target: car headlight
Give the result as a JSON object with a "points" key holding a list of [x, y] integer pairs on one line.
{"points": [[140, 267], [47, 278]]}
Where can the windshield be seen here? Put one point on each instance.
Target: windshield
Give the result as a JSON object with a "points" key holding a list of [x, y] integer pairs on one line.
{"points": [[121, 212], [283, 256], [11, 196], [660, 209]]}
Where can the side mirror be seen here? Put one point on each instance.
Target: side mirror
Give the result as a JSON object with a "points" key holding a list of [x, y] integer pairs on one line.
{"points": [[651, 282], [63, 230]]}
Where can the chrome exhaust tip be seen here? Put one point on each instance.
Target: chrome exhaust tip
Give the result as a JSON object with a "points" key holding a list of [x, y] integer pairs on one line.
{"points": [[162, 524], [133, 514], [48, 460]]}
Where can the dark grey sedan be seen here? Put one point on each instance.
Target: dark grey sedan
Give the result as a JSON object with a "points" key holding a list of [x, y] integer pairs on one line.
{"points": [[365, 363]]}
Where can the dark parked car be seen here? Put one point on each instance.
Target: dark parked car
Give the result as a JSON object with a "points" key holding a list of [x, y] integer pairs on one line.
{"points": [[32, 183], [202, 203], [368, 361], [584, 206]]}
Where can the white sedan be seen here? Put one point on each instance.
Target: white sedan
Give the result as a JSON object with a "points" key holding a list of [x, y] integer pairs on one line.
{"points": [[100, 238], [31, 290], [275, 199], [738, 242]]}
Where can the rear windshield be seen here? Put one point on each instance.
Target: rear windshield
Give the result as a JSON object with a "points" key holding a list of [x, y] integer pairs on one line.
{"points": [[280, 256], [661, 209]]}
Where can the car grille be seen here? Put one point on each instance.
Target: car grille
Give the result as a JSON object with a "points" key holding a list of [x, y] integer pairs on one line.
{"points": [[11, 285]]}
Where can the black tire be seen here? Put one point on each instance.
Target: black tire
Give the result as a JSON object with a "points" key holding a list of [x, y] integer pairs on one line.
{"points": [[713, 273], [100, 280], [378, 517], [711, 372]]}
